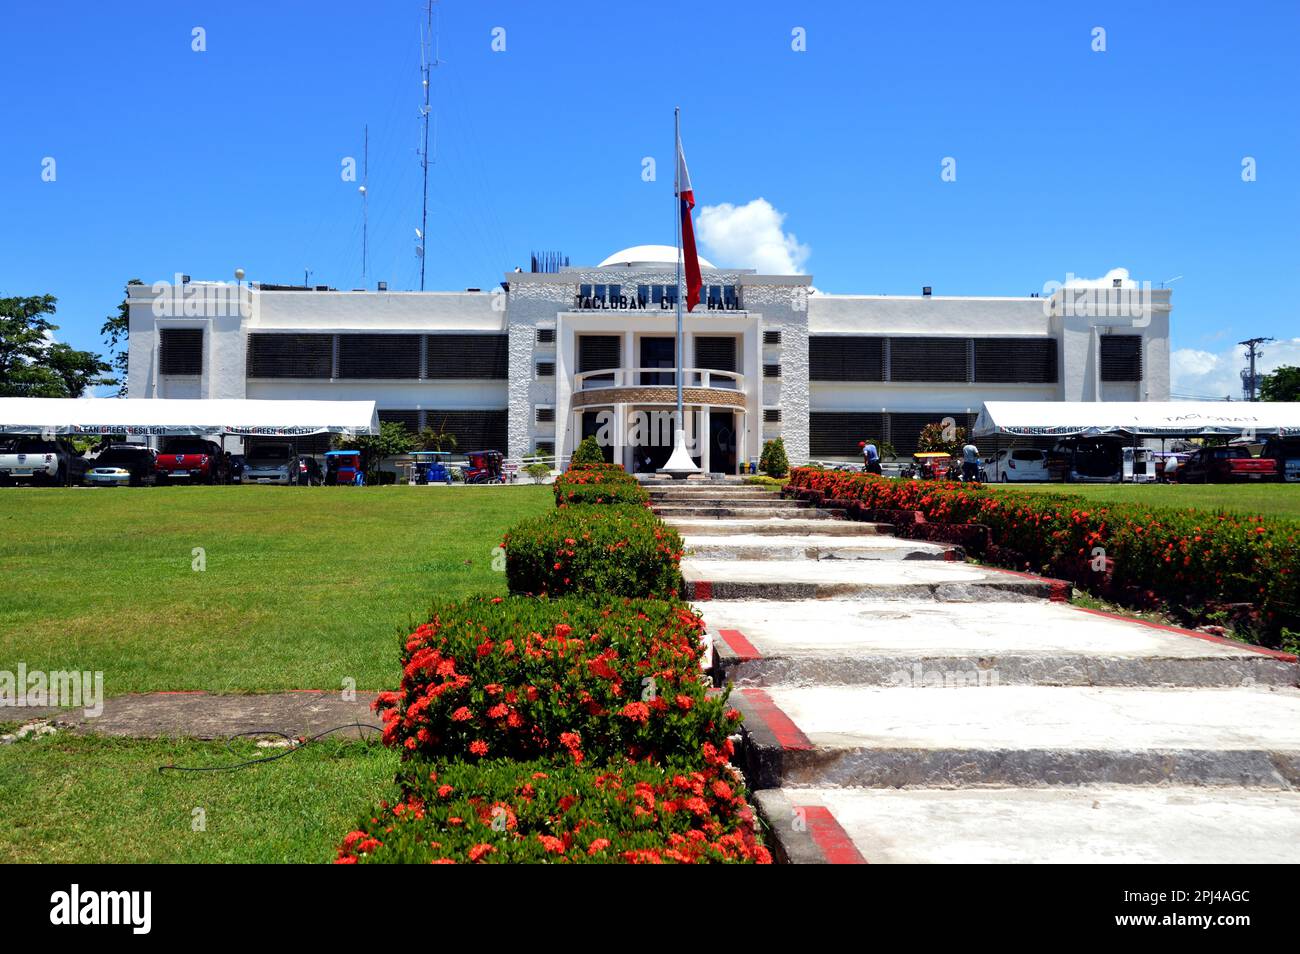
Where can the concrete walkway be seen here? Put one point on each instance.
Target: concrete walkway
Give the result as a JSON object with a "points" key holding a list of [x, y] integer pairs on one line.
{"points": [[903, 706]]}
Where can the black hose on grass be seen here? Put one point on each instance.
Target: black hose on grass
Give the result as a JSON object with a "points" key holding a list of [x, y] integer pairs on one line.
{"points": [[268, 758]]}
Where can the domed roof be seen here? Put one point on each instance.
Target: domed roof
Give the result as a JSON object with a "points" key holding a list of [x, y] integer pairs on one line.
{"points": [[646, 255]]}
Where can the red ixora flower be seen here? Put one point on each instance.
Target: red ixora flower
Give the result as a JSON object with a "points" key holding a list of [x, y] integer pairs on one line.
{"points": [[479, 850], [478, 747], [637, 711]]}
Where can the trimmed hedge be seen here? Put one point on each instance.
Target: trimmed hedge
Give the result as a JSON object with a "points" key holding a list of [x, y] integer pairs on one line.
{"points": [[577, 679], [589, 485], [1193, 561], [588, 452], [616, 550], [537, 812]]}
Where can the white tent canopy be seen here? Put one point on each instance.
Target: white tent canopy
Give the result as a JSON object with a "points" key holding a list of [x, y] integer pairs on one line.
{"points": [[161, 417], [1137, 418]]}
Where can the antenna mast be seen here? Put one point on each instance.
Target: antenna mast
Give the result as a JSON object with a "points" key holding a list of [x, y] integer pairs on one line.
{"points": [[426, 64]]}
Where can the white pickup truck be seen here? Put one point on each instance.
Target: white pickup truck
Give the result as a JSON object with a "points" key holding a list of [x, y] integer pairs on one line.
{"points": [[50, 461]]}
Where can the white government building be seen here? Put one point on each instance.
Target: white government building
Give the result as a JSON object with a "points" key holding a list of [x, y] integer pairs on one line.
{"points": [[552, 355]]}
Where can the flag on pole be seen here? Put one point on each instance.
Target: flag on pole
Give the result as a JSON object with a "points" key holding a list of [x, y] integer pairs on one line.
{"points": [[686, 197]]}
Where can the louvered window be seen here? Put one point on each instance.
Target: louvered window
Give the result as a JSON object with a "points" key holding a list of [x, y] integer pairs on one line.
{"points": [[1121, 357], [545, 415], [846, 358], [379, 356], [290, 356], [1015, 360], [771, 337], [546, 336], [546, 369], [771, 415], [771, 370], [474, 430], [597, 352], [715, 353], [905, 429], [180, 351], [928, 359], [466, 356], [833, 434], [409, 419]]}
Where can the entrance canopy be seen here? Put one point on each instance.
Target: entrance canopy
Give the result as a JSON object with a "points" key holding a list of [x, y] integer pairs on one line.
{"points": [[1137, 418], [163, 417]]}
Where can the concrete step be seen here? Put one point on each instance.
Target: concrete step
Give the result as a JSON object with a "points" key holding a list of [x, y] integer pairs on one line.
{"points": [[774, 526], [737, 502], [801, 513], [1029, 736], [813, 547], [858, 580], [930, 645], [707, 490], [1095, 824]]}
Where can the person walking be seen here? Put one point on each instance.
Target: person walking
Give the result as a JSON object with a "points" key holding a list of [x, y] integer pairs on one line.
{"points": [[870, 458], [970, 463]]}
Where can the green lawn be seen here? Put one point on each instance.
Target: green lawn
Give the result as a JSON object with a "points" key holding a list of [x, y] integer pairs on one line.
{"points": [[303, 587], [1274, 500], [76, 799]]}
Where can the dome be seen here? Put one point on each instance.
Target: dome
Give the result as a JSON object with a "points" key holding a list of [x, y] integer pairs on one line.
{"points": [[646, 255]]}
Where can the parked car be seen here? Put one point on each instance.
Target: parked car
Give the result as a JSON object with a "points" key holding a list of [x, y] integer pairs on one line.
{"points": [[309, 473], [51, 461], [1017, 463], [1224, 464], [1286, 451], [270, 464], [1090, 460], [191, 460], [123, 465]]}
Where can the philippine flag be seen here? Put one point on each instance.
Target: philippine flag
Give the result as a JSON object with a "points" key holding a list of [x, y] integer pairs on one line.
{"points": [[691, 259]]}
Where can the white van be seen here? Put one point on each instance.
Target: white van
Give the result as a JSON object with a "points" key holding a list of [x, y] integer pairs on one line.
{"points": [[1019, 463]]}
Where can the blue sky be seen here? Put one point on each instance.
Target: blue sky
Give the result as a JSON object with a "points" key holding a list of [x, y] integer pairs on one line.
{"points": [[1068, 160]]}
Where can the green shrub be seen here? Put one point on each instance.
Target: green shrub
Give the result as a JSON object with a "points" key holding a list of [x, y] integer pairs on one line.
{"points": [[575, 679], [588, 452], [611, 472], [773, 461], [539, 472], [538, 812], [588, 485], [617, 550]]}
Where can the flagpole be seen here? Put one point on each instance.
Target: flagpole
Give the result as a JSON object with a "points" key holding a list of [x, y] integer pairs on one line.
{"points": [[677, 192]]}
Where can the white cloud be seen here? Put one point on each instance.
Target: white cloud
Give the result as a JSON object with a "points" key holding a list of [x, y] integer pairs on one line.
{"points": [[1218, 374], [1106, 281], [751, 236]]}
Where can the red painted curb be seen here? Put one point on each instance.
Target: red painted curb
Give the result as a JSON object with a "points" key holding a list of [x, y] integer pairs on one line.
{"points": [[744, 650], [788, 735], [835, 844], [1208, 637], [1058, 592], [702, 590]]}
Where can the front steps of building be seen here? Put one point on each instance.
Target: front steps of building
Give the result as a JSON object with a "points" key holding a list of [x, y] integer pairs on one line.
{"points": [[901, 705]]}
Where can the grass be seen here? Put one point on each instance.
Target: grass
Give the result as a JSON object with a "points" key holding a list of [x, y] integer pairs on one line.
{"points": [[303, 587], [1273, 500], [81, 799]]}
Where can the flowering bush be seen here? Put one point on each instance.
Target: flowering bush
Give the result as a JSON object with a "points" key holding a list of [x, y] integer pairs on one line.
{"points": [[1187, 559], [588, 452], [608, 550], [608, 484], [581, 680], [538, 812]]}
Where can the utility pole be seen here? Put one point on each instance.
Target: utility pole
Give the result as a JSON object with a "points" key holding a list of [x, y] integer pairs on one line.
{"points": [[1249, 379], [365, 202]]}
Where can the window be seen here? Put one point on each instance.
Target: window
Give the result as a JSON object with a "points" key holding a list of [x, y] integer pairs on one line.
{"points": [[545, 415], [846, 358], [379, 356], [546, 336], [597, 352], [408, 419], [771, 370], [180, 351], [905, 429], [834, 434], [1015, 360], [474, 430], [466, 356], [771, 337], [928, 359], [545, 449], [771, 415], [546, 369], [1121, 357], [715, 352], [290, 356]]}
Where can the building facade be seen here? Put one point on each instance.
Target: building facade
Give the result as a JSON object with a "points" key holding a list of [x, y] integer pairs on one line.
{"points": [[546, 358]]}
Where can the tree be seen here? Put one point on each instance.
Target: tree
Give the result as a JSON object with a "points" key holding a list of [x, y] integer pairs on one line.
{"points": [[117, 329], [32, 364], [941, 437], [1283, 384], [773, 460], [588, 452], [393, 439], [439, 440]]}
